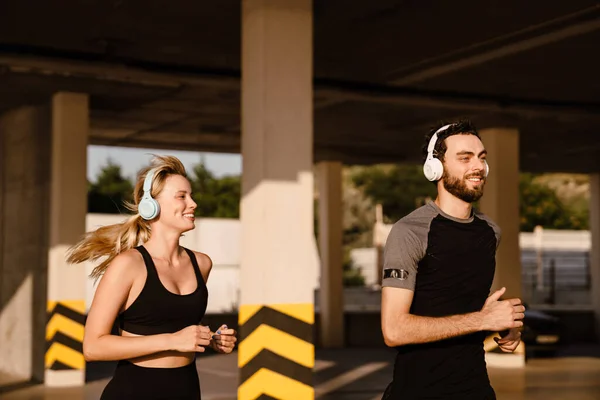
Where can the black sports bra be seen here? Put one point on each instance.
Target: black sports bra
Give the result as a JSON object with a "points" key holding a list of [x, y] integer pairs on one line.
{"points": [[157, 310]]}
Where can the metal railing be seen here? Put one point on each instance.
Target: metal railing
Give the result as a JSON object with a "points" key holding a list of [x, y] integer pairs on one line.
{"points": [[556, 278]]}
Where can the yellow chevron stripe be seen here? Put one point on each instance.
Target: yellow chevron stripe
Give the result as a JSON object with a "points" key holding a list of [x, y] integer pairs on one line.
{"points": [[302, 311], [65, 325], [279, 342], [66, 355], [247, 311], [272, 384], [77, 305]]}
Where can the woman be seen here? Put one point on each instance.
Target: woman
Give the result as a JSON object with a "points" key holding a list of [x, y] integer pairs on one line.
{"points": [[155, 288]]}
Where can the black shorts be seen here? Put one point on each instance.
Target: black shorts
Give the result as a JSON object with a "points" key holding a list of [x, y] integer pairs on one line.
{"points": [[134, 382]]}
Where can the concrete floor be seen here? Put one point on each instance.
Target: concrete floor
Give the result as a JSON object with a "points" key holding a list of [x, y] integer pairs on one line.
{"points": [[362, 374]]}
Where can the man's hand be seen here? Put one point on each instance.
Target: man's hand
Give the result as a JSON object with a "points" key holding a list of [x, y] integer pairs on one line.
{"points": [[510, 342], [224, 340], [498, 315]]}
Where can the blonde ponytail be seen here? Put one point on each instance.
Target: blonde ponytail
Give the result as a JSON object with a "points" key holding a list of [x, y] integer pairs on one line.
{"points": [[111, 240]]}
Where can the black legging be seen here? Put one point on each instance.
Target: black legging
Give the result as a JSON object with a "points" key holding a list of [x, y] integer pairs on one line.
{"points": [[134, 382]]}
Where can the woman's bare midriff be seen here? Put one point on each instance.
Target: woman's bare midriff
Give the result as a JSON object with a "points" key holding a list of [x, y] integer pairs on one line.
{"points": [[164, 359]]}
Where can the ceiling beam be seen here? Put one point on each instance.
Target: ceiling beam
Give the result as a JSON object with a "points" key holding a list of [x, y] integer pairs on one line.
{"points": [[454, 101], [335, 91], [69, 68], [169, 145], [575, 24]]}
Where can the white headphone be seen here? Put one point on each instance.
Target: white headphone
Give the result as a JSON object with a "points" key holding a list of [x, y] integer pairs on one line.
{"points": [[148, 207], [433, 167]]}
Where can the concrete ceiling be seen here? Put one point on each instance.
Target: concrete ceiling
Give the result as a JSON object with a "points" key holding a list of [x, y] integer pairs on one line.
{"points": [[168, 76]]}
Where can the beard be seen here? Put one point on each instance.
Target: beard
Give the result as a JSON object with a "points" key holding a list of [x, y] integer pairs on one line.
{"points": [[458, 187]]}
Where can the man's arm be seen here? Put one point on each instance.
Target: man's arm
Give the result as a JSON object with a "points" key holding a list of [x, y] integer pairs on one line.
{"points": [[401, 328]]}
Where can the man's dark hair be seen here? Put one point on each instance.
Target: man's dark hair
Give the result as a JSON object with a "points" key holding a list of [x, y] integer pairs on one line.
{"points": [[462, 127]]}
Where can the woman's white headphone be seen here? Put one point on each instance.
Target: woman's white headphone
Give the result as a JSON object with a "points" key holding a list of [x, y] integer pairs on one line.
{"points": [[433, 167], [148, 207]]}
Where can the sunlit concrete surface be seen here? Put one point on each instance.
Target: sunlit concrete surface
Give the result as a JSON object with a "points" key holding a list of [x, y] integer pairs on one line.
{"points": [[549, 379], [362, 374]]}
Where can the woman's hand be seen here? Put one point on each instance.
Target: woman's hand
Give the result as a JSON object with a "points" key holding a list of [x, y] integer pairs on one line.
{"points": [[194, 338], [223, 341]]}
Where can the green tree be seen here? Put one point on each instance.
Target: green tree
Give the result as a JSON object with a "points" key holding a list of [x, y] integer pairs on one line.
{"points": [[398, 188], [358, 212], [216, 197], [573, 190], [540, 205], [351, 275], [107, 194]]}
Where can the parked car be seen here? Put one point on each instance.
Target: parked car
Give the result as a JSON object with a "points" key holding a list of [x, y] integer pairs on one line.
{"points": [[541, 334]]}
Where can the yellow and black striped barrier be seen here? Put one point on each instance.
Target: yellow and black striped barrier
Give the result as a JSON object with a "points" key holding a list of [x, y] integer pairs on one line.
{"points": [[64, 335], [276, 353]]}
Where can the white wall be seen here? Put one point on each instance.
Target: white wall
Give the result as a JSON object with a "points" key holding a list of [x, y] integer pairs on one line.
{"points": [[365, 259], [547, 239], [221, 240]]}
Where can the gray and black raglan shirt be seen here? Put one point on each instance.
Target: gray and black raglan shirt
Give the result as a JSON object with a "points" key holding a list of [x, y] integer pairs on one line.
{"points": [[449, 263]]}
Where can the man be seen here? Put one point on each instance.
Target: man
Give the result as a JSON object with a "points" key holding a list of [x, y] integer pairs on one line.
{"points": [[439, 264]]}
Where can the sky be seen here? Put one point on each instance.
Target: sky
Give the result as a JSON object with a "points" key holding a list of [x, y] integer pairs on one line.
{"points": [[132, 159]]}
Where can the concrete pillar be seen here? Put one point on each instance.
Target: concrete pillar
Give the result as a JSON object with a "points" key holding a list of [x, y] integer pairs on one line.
{"points": [[24, 218], [64, 362], [331, 300], [595, 248], [500, 202], [276, 316]]}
